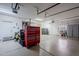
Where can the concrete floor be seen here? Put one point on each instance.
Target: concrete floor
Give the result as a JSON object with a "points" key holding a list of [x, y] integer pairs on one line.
{"points": [[12, 48], [50, 46], [60, 46]]}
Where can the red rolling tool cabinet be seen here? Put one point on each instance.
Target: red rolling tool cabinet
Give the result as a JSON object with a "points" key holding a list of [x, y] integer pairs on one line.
{"points": [[32, 36]]}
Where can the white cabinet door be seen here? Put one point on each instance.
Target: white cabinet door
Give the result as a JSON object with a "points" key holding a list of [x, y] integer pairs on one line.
{"points": [[75, 30], [69, 31]]}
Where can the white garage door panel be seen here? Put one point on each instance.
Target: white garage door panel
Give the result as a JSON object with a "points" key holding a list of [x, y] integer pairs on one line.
{"points": [[5, 29]]}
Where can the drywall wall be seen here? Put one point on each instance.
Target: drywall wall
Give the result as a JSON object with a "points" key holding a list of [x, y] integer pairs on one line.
{"points": [[10, 24], [52, 28], [55, 28]]}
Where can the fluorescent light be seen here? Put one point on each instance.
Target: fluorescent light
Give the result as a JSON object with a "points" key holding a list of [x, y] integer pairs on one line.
{"points": [[39, 19]]}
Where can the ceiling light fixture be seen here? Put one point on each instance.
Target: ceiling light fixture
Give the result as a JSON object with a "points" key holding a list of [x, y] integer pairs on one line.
{"points": [[38, 19]]}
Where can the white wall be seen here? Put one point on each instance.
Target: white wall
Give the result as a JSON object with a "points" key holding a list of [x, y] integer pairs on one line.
{"points": [[52, 28], [55, 28], [8, 25]]}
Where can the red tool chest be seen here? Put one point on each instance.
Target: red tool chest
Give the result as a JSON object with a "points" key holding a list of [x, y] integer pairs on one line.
{"points": [[32, 36]]}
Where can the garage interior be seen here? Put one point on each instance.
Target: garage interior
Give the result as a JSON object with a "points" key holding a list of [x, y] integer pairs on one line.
{"points": [[58, 25]]}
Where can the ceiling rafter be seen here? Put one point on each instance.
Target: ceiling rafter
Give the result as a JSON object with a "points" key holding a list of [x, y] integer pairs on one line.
{"points": [[62, 11], [47, 8]]}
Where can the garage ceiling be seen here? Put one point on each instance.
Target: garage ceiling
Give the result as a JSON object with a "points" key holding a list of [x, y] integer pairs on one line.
{"points": [[29, 10]]}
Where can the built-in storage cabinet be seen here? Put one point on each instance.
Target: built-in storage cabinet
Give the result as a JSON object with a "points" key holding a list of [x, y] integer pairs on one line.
{"points": [[73, 30]]}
